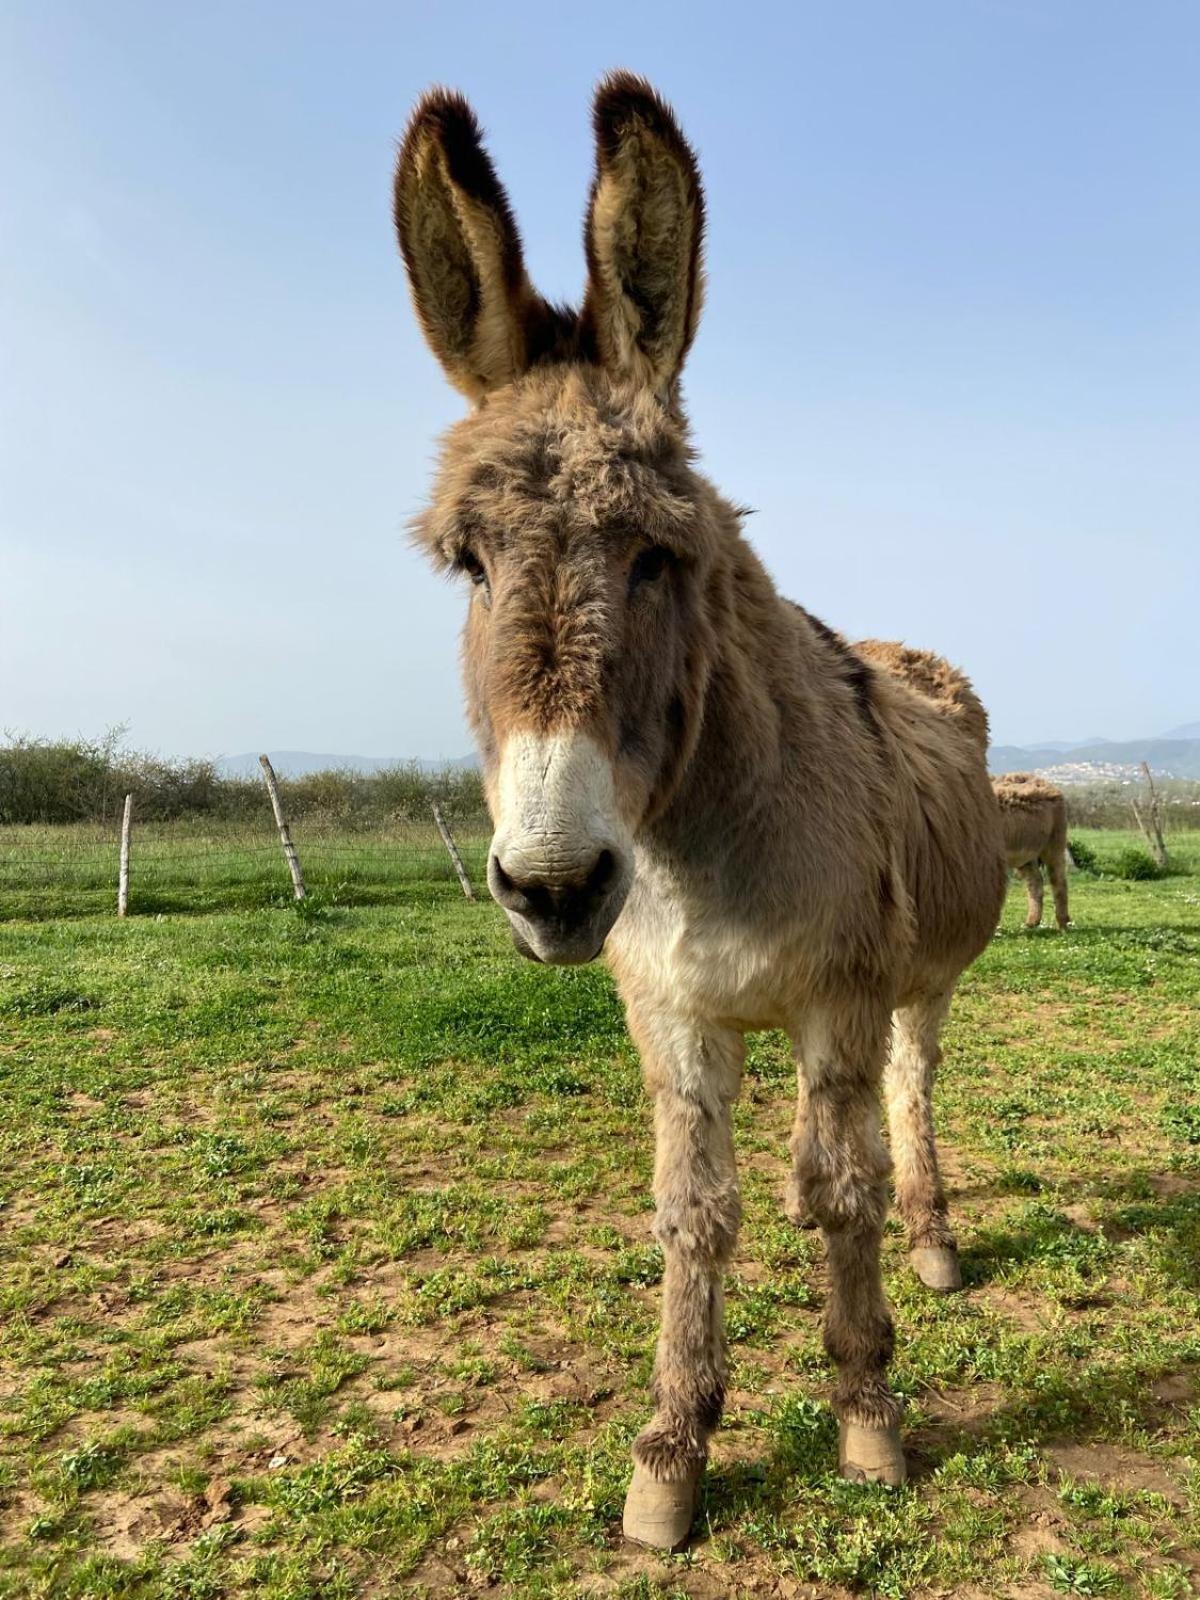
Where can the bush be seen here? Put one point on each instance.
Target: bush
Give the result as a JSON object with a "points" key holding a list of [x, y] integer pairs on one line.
{"points": [[1135, 864], [80, 780], [1084, 856], [1106, 804], [70, 781]]}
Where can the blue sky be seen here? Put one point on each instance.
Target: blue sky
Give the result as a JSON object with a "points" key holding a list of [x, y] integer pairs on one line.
{"points": [[951, 349]]}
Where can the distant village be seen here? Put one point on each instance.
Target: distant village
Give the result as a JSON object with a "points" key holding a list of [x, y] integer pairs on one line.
{"points": [[1067, 772]]}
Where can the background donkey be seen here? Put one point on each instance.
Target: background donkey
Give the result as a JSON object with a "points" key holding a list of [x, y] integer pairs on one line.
{"points": [[1033, 815], [769, 829]]}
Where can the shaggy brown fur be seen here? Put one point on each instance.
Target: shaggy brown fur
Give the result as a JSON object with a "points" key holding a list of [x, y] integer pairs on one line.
{"points": [[935, 678], [1033, 816], [813, 842]]}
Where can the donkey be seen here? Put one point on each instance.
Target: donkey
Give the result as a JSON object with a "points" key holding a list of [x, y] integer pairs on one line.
{"points": [[760, 826], [1033, 816]]}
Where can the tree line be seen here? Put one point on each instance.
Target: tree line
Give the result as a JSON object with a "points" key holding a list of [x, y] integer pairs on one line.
{"points": [[86, 780]]}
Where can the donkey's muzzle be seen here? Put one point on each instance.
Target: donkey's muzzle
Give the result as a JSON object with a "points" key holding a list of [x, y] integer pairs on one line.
{"points": [[560, 918]]}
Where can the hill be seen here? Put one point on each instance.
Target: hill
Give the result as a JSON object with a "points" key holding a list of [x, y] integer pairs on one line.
{"points": [[1174, 755], [1166, 757]]}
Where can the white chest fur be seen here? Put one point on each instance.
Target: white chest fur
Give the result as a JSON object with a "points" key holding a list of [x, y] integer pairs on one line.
{"points": [[693, 951]]}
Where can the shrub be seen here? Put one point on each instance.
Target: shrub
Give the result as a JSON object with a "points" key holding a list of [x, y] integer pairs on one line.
{"points": [[1134, 863], [1106, 804], [80, 780], [1083, 856], [70, 781]]}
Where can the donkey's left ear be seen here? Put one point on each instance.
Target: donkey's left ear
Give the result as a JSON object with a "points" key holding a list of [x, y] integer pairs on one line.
{"points": [[645, 225]]}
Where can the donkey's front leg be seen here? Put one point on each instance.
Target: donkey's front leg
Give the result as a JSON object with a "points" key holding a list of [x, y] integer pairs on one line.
{"points": [[842, 1169], [694, 1073]]}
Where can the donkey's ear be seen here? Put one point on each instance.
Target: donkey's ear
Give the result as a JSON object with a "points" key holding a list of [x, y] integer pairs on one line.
{"points": [[645, 225], [461, 247]]}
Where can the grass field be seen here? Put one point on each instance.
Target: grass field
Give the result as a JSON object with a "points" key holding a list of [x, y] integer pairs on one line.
{"points": [[326, 1271], [205, 865]]}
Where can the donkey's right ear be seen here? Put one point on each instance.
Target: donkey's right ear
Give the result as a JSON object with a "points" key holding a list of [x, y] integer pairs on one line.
{"points": [[461, 247]]}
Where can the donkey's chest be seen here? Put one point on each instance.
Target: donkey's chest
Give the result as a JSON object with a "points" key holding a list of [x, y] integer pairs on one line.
{"points": [[709, 958]]}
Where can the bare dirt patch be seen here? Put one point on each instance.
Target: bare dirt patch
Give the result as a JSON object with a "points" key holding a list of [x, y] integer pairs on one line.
{"points": [[128, 1522], [1025, 1310], [1176, 1388], [1117, 1468]]}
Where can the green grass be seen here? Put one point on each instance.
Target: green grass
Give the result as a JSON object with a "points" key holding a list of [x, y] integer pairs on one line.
{"points": [[203, 866], [326, 1271]]}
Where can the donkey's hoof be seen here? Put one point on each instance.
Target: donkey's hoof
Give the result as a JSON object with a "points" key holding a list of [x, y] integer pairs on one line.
{"points": [[660, 1514], [937, 1267], [871, 1455]]}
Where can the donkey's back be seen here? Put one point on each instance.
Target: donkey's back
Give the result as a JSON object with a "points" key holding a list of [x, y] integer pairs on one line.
{"points": [[950, 839], [1033, 816]]}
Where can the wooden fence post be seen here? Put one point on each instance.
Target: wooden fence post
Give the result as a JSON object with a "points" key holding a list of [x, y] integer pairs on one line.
{"points": [[285, 838], [448, 841], [123, 876]]}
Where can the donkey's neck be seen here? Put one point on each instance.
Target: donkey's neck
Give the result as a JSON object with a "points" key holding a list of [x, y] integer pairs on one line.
{"points": [[764, 709]]}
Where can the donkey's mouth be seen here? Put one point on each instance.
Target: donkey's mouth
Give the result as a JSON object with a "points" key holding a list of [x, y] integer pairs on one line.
{"points": [[522, 945], [563, 938], [570, 950]]}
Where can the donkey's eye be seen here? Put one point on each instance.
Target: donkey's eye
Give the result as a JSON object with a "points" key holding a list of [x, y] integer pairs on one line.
{"points": [[650, 564], [470, 563]]}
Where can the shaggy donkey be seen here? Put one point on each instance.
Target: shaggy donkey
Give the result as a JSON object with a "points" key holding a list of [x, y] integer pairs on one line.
{"points": [[1033, 816], [762, 827]]}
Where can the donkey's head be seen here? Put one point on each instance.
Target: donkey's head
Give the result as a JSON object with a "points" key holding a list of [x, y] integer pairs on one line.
{"points": [[568, 501]]}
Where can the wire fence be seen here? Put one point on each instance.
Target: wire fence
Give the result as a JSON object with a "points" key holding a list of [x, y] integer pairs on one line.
{"points": [[194, 865], [199, 863]]}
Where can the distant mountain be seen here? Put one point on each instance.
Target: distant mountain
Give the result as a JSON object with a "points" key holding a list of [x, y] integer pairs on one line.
{"points": [[1175, 754], [1177, 757], [1063, 745], [301, 763]]}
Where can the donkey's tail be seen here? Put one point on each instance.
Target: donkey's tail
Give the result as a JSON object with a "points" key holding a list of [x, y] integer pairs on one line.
{"points": [[933, 677]]}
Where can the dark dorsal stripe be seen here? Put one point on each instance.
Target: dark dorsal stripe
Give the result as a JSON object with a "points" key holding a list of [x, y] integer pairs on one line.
{"points": [[854, 670]]}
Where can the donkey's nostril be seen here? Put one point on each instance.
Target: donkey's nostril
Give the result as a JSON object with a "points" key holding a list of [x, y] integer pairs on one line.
{"points": [[602, 874], [500, 879], [550, 898], [527, 897]]}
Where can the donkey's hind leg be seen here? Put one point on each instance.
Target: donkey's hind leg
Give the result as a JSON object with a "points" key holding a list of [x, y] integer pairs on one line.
{"points": [[1031, 872], [1056, 866], [795, 1206], [694, 1075], [842, 1168], [912, 1064]]}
